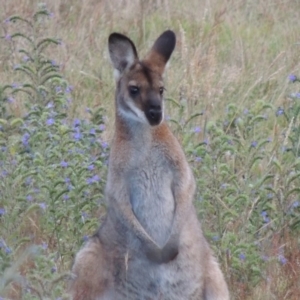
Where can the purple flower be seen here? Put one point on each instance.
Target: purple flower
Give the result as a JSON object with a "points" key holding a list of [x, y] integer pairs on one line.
{"points": [[67, 180], [10, 99], [242, 257], [292, 78], [295, 204], [279, 112], [196, 129], [8, 250], [91, 167], [282, 259], [53, 269], [29, 198], [264, 214], [76, 123], [93, 179], [25, 139], [15, 85], [50, 122], [102, 127], [44, 245], [63, 164], [254, 144], [297, 95], [4, 173], [85, 238], [69, 89], [58, 89], [77, 135], [198, 159], [6, 21], [104, 145], [93, 131], [66, 197], [2, 211], [25, 58], [246, 111], [43, 206], [215, 238], [53, 63], [7, 37]]}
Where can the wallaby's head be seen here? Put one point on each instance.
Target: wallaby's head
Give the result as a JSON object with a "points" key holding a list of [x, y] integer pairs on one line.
{"points": [[139, 82]]}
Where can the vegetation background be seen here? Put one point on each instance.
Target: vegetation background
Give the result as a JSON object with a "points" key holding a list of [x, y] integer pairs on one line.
{"points": [[232, 100]]}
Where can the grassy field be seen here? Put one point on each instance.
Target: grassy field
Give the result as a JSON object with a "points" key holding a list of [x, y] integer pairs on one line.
{"points": [[233, 100]]}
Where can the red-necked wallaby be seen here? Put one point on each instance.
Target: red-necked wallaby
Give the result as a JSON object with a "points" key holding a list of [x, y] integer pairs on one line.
{"points": [[150, 245]]}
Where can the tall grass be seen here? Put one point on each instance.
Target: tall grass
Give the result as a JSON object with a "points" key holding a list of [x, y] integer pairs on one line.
{"points": [[231, 100]]}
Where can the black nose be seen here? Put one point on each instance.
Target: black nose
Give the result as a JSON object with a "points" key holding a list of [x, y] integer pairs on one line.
{"points": [[154, 114]]}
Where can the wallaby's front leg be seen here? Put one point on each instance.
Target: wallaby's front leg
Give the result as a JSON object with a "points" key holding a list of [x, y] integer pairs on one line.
{"points": [[122, 212]]}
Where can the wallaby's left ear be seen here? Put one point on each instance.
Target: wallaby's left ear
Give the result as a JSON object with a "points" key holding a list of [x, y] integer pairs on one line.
{"points": [[161, 51]]}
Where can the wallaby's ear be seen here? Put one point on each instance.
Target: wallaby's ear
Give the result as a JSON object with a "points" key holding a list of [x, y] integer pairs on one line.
{"points": [[122, 52], [161, 51]]}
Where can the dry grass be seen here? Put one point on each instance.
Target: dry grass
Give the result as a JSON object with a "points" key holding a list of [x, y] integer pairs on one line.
{"points": [[227, 52]]}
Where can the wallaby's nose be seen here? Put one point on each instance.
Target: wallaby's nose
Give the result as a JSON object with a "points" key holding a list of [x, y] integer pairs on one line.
{"points": [[154, 114]]}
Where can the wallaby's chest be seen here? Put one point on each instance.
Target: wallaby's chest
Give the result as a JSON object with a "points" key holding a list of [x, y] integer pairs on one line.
{"points": [[151, 197]]}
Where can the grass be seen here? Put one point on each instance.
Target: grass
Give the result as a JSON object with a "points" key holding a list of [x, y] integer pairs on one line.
{"points": [[229, 100]]}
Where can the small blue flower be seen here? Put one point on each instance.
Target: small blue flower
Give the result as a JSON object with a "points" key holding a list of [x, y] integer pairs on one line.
{"points": [[282, 259], [196, 129], [25, 58], [8, 250], [297, 95], [10, 99], [85, 238], [246, 111], [91, 167], [7, 37], [50, 122], [63, 164], [292, 78], [43, 206], [58, 89], [69, 89], [295, 204], [104, 145], [53, 270], [2, 211], [254, 144], [53, 63], [67, 180], [198, 159], [66, 197], [25, 139], [264, 214], [93, 131], [44, 245], [77, 135], [76, 123], [242, 257], [29, 198], [93, 179], [215, 238], [279, 112], [102, 127]]}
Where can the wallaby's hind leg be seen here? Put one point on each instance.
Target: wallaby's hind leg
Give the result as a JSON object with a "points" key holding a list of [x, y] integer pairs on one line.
{"points": [[215, 286], [92, 279]]}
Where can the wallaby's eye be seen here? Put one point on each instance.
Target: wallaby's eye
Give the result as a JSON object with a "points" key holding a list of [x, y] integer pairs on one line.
{"points": [[133, 90], [161, 90]]}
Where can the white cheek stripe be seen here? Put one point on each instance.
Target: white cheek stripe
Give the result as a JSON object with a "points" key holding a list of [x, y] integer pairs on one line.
{"points": [[133, 113]]}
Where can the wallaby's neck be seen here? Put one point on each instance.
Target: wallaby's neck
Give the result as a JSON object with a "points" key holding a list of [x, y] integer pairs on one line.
{"points": [[133, 131]]}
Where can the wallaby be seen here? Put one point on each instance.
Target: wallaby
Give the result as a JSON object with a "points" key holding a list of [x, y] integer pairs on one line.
{"points": [[150, 245]]}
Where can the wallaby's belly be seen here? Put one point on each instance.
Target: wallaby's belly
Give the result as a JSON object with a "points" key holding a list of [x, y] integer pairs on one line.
{"points": [[152, 200]]}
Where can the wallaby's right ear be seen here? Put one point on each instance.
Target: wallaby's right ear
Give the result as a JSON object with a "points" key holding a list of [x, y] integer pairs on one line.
{"points": [[122, 52]]}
